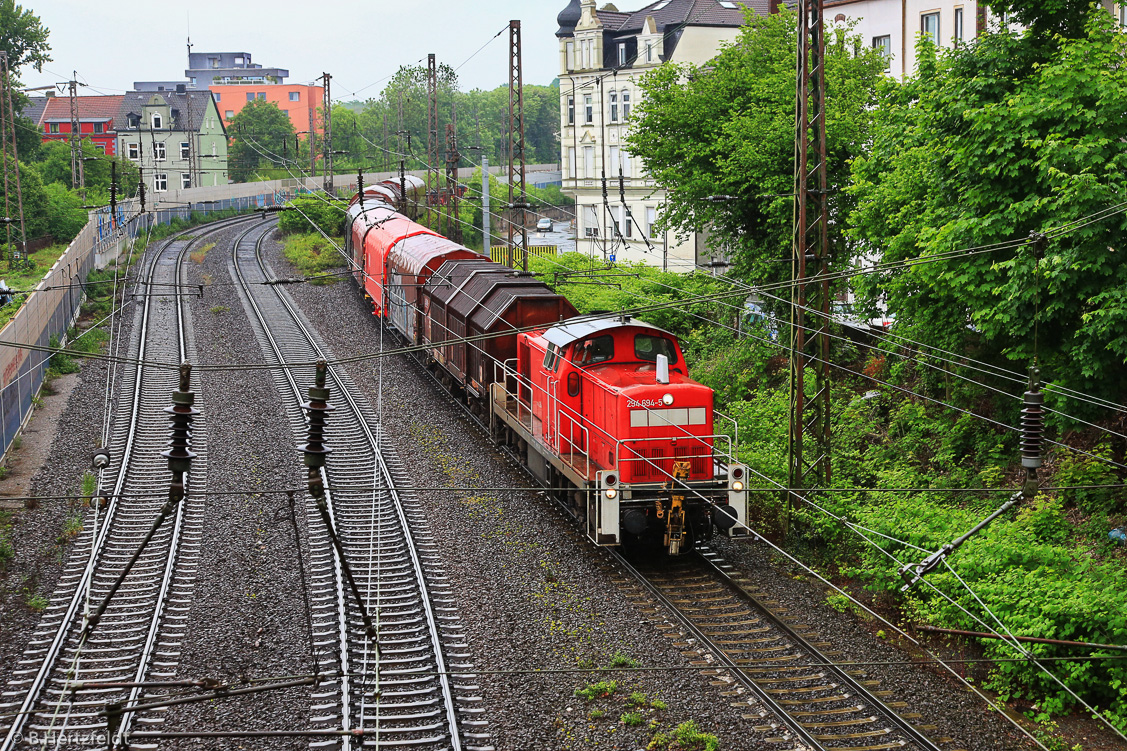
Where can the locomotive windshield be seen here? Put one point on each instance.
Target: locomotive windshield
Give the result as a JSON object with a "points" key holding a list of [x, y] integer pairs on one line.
{"points": [[648, 347], [596, 349]]}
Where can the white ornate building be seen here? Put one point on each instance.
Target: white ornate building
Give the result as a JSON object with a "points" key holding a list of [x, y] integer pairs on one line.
{"points": [[603, 53]]}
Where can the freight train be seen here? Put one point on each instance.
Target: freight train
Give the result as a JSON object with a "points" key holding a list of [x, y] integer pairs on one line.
{"points": [[601, 409]]}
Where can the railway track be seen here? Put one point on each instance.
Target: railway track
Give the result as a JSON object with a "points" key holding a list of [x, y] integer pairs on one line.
{"points": [[771, 663], [388, 547], [137, 638], [755, 651]]}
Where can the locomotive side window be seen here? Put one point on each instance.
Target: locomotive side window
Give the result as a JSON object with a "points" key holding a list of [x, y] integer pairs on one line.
{"points": [[647, 347], [598, 349], [551, 357], [573, 383]]}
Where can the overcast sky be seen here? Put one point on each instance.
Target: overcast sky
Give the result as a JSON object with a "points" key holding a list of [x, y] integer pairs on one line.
{"points": [[360, 43]]}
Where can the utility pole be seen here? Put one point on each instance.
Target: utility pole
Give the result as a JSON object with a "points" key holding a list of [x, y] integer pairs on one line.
{"points": [[77, 173], [432, 131], [327, 142], [485, 205], [452, 159], [311, 138], [809, 461], [8, 135], [516, 148]]}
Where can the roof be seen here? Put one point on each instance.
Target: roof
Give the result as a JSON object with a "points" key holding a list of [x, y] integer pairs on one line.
{"points": [[89, 108], [691, 13], [566, 333], [35, 108], [191, 106]]}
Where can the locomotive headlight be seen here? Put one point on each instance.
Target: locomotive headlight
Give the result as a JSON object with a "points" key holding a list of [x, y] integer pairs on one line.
{"points": [[737, 486], [667, 399], [611, 493]]}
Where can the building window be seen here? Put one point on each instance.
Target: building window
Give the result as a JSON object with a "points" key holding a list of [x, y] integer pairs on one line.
{"points": [[295, 96], [651, 220], [588, 109], [571, 55], [99, 127], [185, 149], [649, 52], [229, 114], [571, 110], [622, 54], [238, 62], [588, 161], [158, 121], [626, 164], [261, 96], [213, 62], [100, 147], [624, 221], [884, 44], [572, 167], [615, 163], [52, 127], [958, 26], [625, 105], [218, 98], [185, 180], [158, 152], [160, 182], [614, 106], [133, 150], [929, 26], [1123, 14], [590, 222], [250, 96]]}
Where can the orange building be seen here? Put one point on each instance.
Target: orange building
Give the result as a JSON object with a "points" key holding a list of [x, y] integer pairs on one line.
{"points": [[300, 103]]}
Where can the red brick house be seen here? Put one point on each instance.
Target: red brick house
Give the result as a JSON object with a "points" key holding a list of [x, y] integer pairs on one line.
{"points": [[96, 116]]}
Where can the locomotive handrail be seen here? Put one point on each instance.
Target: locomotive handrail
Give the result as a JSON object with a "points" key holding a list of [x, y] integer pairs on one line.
{"points": [[735, 435]]}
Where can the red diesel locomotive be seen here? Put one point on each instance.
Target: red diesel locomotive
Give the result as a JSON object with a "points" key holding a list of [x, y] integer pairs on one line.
{"points": [[601, 409]]}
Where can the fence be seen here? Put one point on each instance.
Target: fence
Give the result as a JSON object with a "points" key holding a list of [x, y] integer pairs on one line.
{"points": [[52, 308], [500, 253]]}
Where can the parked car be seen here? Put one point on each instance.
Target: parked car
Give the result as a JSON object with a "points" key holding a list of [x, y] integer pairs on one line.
{"points": [[544, 225]]}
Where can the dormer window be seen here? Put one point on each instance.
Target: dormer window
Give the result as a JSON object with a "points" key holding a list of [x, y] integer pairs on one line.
{"points": [[622, 54], [157, 120], [649, 52]]}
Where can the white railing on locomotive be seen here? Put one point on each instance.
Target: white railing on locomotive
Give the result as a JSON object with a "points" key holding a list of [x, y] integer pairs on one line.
{"points": [[734, 435], [565, 417], [519, 384]]}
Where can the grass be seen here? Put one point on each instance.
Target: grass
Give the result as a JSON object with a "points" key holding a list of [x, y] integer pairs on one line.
{"points": [[685, 737], [218, 309], [197, 256], [597, 690], [620, 660], [312, 255], [72, 529], [7, 552], [26, 277], [37, 602]]}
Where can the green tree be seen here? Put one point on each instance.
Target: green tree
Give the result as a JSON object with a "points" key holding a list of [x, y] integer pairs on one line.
{"points": [[987, 144], [54, 167], [262, 136], [65, 215], [36, 207], [23, 36], [728, 128]]}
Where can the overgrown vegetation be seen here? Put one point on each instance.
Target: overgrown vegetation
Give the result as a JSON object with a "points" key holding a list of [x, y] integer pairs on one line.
{"points": [[314, 255]]}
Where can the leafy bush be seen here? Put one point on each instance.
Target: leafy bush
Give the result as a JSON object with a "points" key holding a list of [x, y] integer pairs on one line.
{"points": [[631, 719], [313, 254], [308, 214]]}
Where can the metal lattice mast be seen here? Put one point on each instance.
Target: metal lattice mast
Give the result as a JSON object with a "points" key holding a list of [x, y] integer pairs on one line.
{"points": [[8, 135], [77, 172], [517, 186], [809, 439], [452, 159], [433, 158], [327, 141]]}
